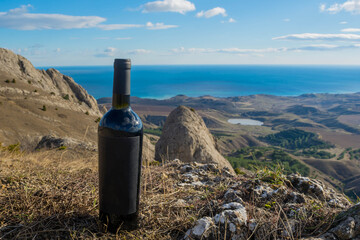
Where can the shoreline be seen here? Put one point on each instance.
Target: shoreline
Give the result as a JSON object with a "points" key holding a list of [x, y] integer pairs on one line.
{"points": [[239, 96]]}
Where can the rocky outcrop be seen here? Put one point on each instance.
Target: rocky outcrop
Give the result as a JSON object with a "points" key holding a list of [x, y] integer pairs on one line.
{"points": [[51, 81], [53, 142], [251, 206], [186, 137]]}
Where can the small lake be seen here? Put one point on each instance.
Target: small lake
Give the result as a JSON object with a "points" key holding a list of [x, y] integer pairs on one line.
{"points": [[244, 121]]}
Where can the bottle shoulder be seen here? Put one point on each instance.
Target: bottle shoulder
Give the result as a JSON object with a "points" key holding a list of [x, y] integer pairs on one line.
{"points": [[121, 120]]}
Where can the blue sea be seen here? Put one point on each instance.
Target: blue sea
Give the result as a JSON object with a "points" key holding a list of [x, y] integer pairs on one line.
{"points": [[220, 81]]}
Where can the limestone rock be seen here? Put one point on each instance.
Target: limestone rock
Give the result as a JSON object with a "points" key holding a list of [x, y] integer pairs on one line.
{"points": [[186, 137], [317, 189], [346, 229], [201, 230]]}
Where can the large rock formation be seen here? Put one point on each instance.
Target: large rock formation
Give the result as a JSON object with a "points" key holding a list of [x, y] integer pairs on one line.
{"points": [[186, 137], [63, 89]]}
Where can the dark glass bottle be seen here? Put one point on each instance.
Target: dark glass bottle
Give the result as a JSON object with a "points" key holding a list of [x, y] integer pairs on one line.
{"points": [[120, 147]]}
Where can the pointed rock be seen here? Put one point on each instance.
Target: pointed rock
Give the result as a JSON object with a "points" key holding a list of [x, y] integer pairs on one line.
{"points": [[186, 137]]}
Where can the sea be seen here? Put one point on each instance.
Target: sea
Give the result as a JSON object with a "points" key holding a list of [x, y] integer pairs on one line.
{"points": [[162, 82]]}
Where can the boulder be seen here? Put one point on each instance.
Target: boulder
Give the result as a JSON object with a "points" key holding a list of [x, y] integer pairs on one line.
{"points": [[186, 137]]}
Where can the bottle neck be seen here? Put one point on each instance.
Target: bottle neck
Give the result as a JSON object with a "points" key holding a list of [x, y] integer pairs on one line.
{"points": [[121, 87], [120, 101]]}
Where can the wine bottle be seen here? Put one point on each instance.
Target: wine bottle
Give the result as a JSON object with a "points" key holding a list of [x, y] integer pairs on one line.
{"points": [[120, 136]]}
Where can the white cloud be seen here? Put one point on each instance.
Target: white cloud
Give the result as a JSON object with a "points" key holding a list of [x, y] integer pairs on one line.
{"points": [[139, 51], [322, 7], [57, 50], [351, 30], [262, 51], [118, 26], [323, 47], [179, 6], [286, 20], [320, 36], [343, 22], [20, 19], [159, 26], [231, 20], [226, 50], [108, 52], [212, 12], [352, 6]]}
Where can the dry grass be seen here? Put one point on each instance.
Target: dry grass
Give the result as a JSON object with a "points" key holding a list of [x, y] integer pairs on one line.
{"points": [[53, 195]]}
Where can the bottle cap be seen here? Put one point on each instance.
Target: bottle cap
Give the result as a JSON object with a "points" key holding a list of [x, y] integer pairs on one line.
{"points": [[122, 63]]}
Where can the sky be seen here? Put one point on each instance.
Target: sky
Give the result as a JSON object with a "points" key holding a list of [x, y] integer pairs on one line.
{"points": [[94, 32]]}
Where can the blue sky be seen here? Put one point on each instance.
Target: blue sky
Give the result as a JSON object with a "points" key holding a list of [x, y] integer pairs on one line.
{"points": [[89, 32]]}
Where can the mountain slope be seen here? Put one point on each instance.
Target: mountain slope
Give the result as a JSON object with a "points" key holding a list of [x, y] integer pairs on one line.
{"points": [[34, 103]]}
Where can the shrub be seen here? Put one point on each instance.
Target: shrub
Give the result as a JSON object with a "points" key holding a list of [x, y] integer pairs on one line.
{"points": [[238, 171], [13, 81], [272, 175], [66, 97], [29, 82], [154, 131], [44, 108], [87, 112], [13, 148], [52, 93], [62, 148], [35, 90], [7, 81], [97, 120]]}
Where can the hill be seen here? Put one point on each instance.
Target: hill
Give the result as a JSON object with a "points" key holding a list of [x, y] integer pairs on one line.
{"points": [[328, 119], [35, 103]]}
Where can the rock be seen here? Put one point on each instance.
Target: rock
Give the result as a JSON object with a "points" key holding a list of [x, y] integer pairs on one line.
{"points": [[234, 213], [201, 230], [232, 196], [317, 189], [53, 142], [185, 136], [103, 109], [326, 236], [345, 230], [308, 186], [252, 224], [295, 197]]}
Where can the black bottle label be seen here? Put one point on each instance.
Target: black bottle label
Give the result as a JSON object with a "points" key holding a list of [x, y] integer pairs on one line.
{"points": [[119, 166]]}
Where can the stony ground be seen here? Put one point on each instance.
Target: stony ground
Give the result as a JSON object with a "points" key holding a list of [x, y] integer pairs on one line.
{"points": [[53, 195]]}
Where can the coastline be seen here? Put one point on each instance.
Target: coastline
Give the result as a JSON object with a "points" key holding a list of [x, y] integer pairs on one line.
{"points": [[166, 81]]}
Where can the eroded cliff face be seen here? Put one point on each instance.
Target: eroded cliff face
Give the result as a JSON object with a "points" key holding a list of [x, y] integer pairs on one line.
{"points": [[62, 90], [186, 137]]}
